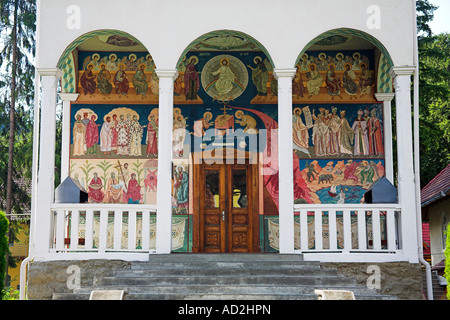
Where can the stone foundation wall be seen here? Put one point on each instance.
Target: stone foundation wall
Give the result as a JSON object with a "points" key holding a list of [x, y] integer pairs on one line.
{"points": [[400, 279], [46, 278]]}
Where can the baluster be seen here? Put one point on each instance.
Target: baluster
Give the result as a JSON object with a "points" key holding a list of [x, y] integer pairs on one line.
{"points": [[347, 231], [376, 230], [117, 229], [390, 226], [89, 229], [60, 229], [362, 233], [74, 222], [318, 229], [131, 229], [304, 230], [332, 229], [146, 230], [103, 232]]}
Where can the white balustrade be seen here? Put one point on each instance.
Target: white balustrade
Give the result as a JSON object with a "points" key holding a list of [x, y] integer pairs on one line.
{"points": [[102, 230], [360, 232]]}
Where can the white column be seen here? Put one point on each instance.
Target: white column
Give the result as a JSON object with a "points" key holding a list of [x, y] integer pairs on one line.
{"points": [[67, 98], [406, 183], [387, 121], [164, 212], [45, 185], [285, 160]]}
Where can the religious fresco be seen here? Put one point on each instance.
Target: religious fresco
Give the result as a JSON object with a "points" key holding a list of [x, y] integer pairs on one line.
{"points": [[341, 76], [113, 152], [117, 77], [338, 153]]}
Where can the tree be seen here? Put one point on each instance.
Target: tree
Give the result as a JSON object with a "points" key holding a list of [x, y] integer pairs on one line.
{"points": [[17, 20], [434, 94]]}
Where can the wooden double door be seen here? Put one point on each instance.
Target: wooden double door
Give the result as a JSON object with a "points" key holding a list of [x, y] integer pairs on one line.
{"points": [[226, 215]]}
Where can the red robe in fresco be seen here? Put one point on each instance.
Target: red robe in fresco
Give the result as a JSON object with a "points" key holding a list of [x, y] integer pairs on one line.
{"points": [[95, 193], [133, 191], [375, 137], [92, 136]]}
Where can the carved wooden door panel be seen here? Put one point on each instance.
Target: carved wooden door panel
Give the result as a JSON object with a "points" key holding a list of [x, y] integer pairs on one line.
{"points": [[226, 211]]}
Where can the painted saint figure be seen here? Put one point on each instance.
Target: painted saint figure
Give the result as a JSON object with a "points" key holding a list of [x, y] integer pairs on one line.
{"points": [[315, 81], [106, 136], [95, 193], [79, 131], [92, 136], [87, 81], [133, 190], [121, 81], [103, 78], [332, 82], [260, 76], [191, 80], [181, 187], [136, 133], [152, 136], [300, 133], [375, 136], [122, 136], [361, 146], [113, 190], [140, 81]]}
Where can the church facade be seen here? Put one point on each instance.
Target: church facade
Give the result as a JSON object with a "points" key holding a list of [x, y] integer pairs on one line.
{"points": [[234, 127]]}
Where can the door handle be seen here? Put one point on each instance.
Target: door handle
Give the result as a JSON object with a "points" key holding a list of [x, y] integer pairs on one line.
{"points": [[223, 215]]}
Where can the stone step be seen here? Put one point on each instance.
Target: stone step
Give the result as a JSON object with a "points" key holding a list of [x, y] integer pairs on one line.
{"points": [[225, 280], [224, 271], [235, 265], [230, 257]]}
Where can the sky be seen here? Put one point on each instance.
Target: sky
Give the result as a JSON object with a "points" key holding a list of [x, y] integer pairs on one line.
{"points": [[441, 21]]}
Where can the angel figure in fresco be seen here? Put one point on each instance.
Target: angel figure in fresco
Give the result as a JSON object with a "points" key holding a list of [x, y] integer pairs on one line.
{"points": [[113, 190], [375, 136], [315, 81], [361, 146], [300, 133], [348, 81], [95, 193], [121, 81], [92, 136], [260, 76], [87, 80], [133, 191], [152, 136], [106, 136], [111, 65], [140, 81], [191, 79], [79, 131], [136, 133]]}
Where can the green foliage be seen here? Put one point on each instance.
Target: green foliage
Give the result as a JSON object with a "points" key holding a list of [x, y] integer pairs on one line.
{"points": [[4, 249]]}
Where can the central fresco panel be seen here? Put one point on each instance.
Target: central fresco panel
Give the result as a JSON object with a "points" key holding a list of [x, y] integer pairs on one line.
{"points": [[225, 97]]}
